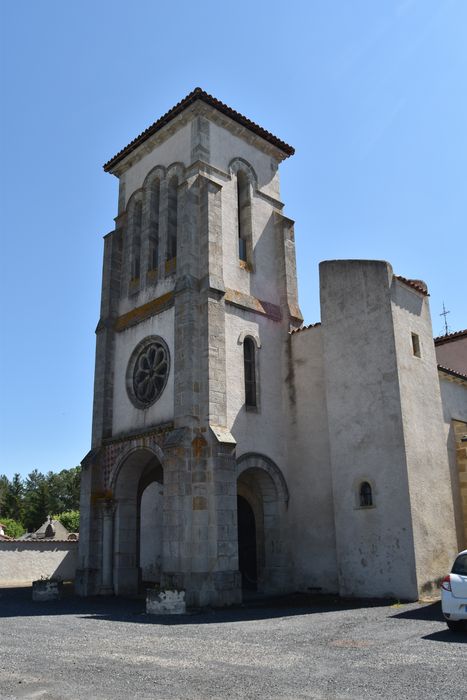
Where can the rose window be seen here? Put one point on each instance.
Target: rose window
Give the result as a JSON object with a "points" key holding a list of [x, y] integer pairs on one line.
{"points": [[149, 370]]}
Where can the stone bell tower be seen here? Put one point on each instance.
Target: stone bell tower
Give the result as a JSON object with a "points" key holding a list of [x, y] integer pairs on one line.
{"points": [[199, 270]]}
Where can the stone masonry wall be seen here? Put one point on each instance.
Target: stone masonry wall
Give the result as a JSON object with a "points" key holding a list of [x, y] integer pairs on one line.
{"points": [[22, 562]]}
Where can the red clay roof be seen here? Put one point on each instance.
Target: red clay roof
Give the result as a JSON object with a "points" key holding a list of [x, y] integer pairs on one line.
{"points": [[198, 94], [304, 328], [415, 284], [450, 337], [454, 372]]}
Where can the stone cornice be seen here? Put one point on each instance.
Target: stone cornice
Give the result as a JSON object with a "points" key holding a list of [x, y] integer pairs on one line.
{"points": [[256, 306], [156, 430], [141, 313]]}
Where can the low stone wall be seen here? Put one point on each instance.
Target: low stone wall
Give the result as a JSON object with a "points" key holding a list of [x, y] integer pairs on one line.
{"points": [[21, 563]]}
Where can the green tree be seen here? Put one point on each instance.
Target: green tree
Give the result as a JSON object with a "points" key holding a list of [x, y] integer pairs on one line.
{"points": [[32, 500], [36, 500], [69, 519], [12, 528], [13, 499], [4, 486], [64, 489]]}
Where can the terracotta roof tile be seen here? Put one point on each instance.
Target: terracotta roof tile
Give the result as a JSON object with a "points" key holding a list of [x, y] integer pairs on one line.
{"points": [[198, 94], [450, 337], [419, 285], [454, 372], [304, 328]]}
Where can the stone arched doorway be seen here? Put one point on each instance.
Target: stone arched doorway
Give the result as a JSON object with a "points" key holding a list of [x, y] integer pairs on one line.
{"points": [[136, 538], [262, 504]]}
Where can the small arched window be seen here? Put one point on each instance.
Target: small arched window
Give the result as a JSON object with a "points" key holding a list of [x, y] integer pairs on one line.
{"points": [[136, 240], [366, 495], [249, 362], [243, 216], [154, 228], [172, 221]]}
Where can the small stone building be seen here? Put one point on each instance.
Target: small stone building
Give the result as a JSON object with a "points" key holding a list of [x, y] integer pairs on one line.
{"points": [[233, 448], [49, 530]]}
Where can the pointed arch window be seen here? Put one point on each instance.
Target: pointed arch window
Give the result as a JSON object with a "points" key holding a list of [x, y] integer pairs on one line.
{"points": [[366, 495], [154, 227], [172, 228], [136, 240], [249, 363]]}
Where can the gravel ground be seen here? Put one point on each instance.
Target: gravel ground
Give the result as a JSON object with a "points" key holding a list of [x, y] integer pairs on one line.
{"points": [[298, 648]]}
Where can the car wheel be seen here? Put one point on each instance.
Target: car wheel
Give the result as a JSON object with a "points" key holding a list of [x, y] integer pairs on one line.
{"points": [[454, 625]]}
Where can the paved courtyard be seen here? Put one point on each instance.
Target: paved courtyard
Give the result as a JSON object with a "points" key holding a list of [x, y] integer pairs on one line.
{"points": [[108, 648]]}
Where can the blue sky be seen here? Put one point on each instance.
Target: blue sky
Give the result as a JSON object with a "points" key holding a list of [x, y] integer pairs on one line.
{"points": [[372, 95]]}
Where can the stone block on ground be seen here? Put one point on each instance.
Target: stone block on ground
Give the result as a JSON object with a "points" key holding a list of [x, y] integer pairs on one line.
{"points": [[165, 602], [46, 590]]}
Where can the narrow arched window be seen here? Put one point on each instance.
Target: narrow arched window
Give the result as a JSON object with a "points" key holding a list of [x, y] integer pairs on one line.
{"points": [[243, 216], [154, 226], [136, 240], [172, 220], [250, 372], [366, 495]]}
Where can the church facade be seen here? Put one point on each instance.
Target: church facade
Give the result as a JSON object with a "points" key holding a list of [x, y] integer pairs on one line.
{"points": [[233, 448]]}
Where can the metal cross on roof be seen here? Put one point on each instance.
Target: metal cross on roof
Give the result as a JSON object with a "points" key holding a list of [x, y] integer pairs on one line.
{"points": [[445, 313]]}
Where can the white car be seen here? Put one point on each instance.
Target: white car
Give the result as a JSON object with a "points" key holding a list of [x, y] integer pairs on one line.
{"points": [[454, 594]]}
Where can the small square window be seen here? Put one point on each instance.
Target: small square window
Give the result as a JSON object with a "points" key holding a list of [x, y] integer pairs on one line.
{"points": [[416, 345]]}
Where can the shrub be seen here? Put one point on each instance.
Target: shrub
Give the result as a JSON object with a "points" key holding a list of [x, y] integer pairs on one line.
{"points": [[12, 528], [69, 519]]}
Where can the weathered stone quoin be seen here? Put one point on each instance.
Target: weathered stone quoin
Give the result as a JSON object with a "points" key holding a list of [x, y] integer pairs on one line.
{"points": [[234, 449]]}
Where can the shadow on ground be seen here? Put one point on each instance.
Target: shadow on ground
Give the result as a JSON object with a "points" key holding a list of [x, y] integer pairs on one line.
{"points": [[431, 612], [448, 636], [17, 602]]}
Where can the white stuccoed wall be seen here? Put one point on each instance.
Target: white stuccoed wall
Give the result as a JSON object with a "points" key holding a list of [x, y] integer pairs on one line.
{"points": [[375, 549], [128, 302], [312, 531], [225, 146], [259, 431], [454, 399], [174, 149], [424, 438], [125, 415], [262, 283]]}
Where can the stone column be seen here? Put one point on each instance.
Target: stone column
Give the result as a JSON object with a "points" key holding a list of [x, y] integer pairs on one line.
{"points": [[200, 541], [287, 270], [87, 580], [105, 333], [108, 509]]}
